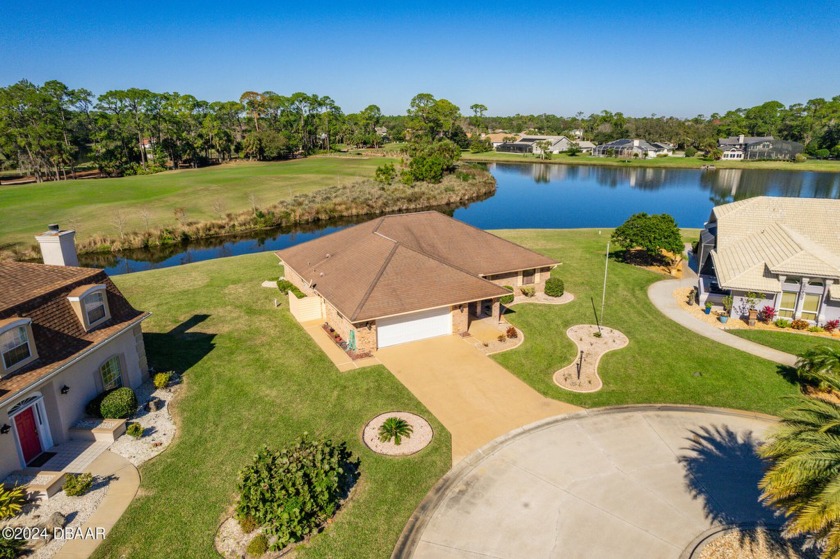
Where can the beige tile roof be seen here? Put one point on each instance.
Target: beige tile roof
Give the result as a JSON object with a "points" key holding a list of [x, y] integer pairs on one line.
{"points": [[40, 292], [761, 237], [834, 292], [407, 262]]}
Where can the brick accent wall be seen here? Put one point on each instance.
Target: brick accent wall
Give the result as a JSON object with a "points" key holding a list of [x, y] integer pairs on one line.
{"points": [[365, 339], [460, 318], [341, 325], [514, 279]]}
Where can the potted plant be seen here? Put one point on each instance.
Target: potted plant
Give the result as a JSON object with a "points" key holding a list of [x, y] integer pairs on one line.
{"points": [[723, 317], [752, 313], [727, 304], [708, 307]]}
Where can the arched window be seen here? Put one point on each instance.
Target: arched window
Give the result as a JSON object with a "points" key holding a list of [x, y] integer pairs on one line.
{"points": [[111, 373]]}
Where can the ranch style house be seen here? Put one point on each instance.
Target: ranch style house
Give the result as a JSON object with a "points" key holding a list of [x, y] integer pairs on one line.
{"points": [[408, 277]]}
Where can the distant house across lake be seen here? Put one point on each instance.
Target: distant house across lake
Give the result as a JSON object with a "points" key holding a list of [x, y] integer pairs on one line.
{"points": [[531, 144], [758, 147], [633, 148]]}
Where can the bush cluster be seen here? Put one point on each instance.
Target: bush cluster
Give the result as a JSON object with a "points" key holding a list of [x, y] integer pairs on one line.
{"points": [[527, 290], [76, 485], [386, 173], [690, 151], [831, 325], [258, 546], [554, 287], [781, 323], [134, 430], [118, 403], [507, 299], [161, 380], [799, 324], [285, 286], [293, 491], [11, 548]]}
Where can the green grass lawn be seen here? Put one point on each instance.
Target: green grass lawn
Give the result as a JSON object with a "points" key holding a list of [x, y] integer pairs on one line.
{"points": [[788, 341], [672, 162], [252, 377], [659, 364], [89, 205]]}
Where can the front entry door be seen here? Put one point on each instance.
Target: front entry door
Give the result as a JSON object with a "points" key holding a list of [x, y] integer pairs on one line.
{"points": [[27, 431]]}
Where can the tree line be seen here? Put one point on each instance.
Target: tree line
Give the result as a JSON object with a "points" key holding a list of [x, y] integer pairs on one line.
{"points": [[49, 130]]}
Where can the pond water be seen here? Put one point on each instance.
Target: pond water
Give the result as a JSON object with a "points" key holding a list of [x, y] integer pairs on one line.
{"points": [[537, 196]]}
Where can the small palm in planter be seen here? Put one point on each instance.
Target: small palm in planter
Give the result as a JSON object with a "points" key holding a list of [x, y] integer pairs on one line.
{"points": [[395, 428]]}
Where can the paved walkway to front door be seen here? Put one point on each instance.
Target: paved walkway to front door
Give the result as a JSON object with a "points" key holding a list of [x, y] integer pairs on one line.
{"points": [[474, 397]]}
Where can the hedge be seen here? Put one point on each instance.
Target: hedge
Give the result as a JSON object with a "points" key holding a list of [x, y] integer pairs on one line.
{"points": [[554, 287]]}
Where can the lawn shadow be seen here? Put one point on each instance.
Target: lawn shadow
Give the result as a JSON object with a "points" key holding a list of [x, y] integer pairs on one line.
{"points": [[789, 374], [723, 469], [179, 349]]}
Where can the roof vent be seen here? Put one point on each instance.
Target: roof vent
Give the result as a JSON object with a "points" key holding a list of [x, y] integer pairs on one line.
{"points": [[328, 255], [322, 274], [53, 228]]}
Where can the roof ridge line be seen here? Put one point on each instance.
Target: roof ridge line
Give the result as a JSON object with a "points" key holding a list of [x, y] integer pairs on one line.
{"points": [[447, 264], [375, 281]]}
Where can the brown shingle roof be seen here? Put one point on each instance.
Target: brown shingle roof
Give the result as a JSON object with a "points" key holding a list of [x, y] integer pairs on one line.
{"points": [[40, 292], [407, 262]]}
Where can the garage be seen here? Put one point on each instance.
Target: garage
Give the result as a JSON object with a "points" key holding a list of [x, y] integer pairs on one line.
{"points": [[412, 327]]}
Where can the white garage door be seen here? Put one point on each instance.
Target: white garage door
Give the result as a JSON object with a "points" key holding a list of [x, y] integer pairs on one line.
{"points": [[414, 326]]}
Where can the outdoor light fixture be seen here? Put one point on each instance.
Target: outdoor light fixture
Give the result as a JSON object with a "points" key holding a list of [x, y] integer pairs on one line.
{"points": [[5, 428], [65, 389]]}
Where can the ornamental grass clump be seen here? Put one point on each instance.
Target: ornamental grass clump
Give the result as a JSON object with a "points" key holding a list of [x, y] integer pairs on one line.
{"points": [[396, 429], [11, 500], [293, 491]]}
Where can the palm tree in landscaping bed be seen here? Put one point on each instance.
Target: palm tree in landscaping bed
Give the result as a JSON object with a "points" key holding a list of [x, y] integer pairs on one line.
{"points": [[804, 479], [395, 428], [821, 366]]}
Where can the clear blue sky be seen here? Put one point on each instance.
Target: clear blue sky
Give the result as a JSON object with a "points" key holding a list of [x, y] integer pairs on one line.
{"points": [[668, 57]]}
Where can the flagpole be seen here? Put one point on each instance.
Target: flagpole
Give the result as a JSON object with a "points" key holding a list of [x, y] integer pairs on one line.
{"points": [[604, 290]]}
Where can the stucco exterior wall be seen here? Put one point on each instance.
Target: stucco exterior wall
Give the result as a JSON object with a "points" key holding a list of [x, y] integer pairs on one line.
{"points": [[831, 310], [740, 307], [84, 381]]}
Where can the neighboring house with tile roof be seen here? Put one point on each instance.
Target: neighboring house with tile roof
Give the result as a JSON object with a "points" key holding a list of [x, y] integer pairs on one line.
{"points": [[531, 144], [407, 277], [758, 147], [627, 147], [785, 251], [67, 334]]}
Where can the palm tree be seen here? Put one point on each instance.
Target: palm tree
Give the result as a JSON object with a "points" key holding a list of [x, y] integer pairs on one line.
{"points": [[804, 478], [395, 428], [820, 365]]}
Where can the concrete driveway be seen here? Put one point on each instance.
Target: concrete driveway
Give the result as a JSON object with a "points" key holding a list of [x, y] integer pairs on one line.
{"points": [[476, 399], [623, 482]]}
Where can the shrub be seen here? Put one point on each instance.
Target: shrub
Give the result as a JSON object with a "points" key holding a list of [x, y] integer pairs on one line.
{"points": [[161, 380], [822, 153], [248, 524], [781, 323], [395, 428], [527, 290], [258, 546], [134, 430], [285, 286], [727, 303], [76, 485], [816, 329], [119, 403], [800, 158], [507, 299], [501, 338], [386, 174], [831, 325], [304, 481], [11, 548], [690, 151], [799, 324], [11, 501], [511, 333], [554, 287], [767, 314]]}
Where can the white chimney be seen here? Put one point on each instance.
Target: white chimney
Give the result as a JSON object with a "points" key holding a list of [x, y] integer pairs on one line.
{"points": [[741, 139], [635, 143], [58, 248]]}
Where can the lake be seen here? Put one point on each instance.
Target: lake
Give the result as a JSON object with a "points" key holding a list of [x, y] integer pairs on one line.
{"points": [[537, 196]]}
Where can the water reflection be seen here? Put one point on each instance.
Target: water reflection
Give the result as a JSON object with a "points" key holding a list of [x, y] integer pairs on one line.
{"points": [[537, 196]]}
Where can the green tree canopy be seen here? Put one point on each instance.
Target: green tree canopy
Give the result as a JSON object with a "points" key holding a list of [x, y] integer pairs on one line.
{"points": [[651, 233]]}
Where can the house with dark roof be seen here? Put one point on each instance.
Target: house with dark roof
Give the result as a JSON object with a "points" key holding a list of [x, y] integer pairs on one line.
{"points": [[758, 147], [408, 277], [777, 252], [629, 148], [67, 334]]}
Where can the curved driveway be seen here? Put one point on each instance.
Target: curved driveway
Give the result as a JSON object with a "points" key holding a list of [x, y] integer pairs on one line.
{"points": [[617, 482]]}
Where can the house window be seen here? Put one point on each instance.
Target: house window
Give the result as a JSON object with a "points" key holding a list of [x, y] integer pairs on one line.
{"points": [[111, 373], [14, 345], [787, 305], [94, 305], [528, 277], [811, 306]]}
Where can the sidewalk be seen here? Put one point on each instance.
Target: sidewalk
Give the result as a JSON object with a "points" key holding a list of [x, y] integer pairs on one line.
{"points": [[661, 295], [125, 480]]}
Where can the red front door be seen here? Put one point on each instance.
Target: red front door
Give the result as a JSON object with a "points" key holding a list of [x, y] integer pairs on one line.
{"points": [[27, 431]]}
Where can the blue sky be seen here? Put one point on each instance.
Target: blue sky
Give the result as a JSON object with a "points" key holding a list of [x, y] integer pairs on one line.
{"points": [[670, 58]]}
